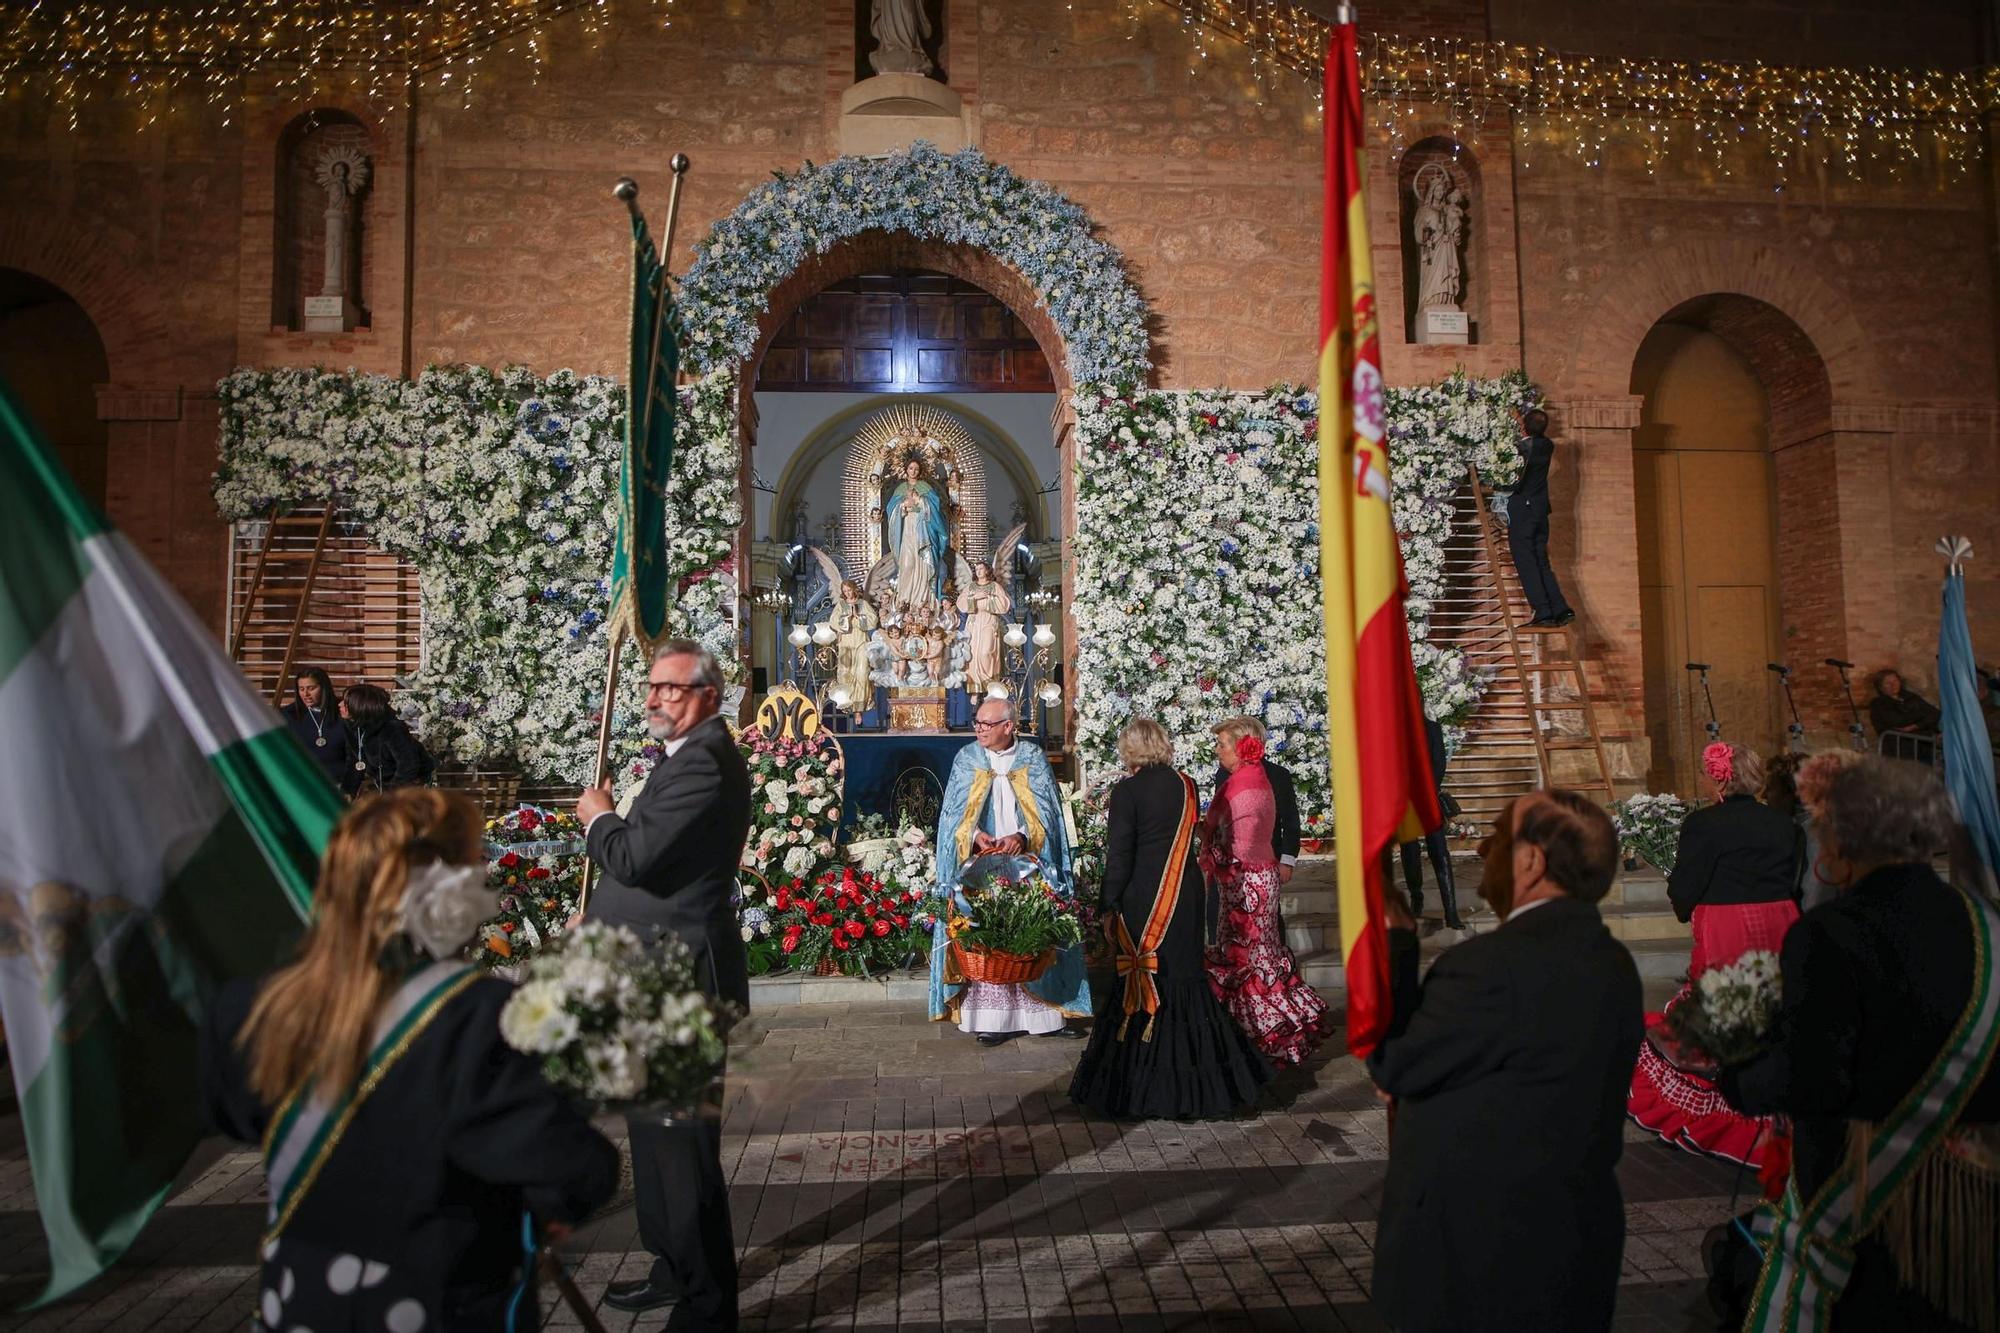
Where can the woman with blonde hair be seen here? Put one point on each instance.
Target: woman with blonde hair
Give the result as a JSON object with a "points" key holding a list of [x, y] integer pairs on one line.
{"points": [[411, 1155], [1163, 1048], [1251, 968], [1736, 880]]}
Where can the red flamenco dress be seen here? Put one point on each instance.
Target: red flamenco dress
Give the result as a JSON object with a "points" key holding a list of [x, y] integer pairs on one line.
{"points": [[1680, 1105], [1250, 969]]}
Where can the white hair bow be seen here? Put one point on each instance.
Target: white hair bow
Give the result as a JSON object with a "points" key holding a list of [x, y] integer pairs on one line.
{"points": [[444, 905]]}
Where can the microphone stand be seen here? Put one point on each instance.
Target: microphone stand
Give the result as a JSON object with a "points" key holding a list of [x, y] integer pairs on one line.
{"points": [[1795, 731], [1712, 726], [1855, 731]]}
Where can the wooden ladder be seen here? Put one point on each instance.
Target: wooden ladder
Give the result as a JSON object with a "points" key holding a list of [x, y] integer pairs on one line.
{"points": [[1538, 654], [283, 578]]}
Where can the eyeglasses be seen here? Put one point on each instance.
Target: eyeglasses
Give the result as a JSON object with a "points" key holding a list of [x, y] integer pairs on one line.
{"points": [[977, 725], [670, 690]]}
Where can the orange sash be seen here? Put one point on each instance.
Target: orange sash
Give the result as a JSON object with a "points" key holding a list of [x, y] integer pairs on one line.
{"points": [[1137, 963]]}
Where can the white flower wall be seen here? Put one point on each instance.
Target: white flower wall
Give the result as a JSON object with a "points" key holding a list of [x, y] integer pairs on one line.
{"points": [[498, 488]]}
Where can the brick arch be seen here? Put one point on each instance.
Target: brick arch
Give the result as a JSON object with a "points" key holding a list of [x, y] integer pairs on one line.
{"points": [[137, 336], [1676, 279], [879, 251]]}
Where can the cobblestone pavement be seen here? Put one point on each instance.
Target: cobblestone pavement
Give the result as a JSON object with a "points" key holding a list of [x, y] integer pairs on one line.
{"points": [[888, 1173]]}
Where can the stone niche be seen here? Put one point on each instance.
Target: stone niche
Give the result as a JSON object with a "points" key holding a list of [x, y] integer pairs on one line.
{"points": [[1441, 228], [901, 95], [300, 279]]}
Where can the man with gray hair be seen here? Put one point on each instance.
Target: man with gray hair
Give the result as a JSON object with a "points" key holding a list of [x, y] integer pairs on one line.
{"points": [[670, 870]]}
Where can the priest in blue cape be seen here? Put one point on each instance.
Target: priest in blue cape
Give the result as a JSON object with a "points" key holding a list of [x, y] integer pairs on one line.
{"points": [[1001, 801]]}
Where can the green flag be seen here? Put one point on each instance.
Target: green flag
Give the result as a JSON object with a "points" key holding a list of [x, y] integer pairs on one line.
{"points": [[639, 588], [160, 830]]}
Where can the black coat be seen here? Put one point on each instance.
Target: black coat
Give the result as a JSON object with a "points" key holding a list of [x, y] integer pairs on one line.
{"points": [[1874, 982], [1908, 709], [1285, 795], [670, 868], [330, 727], [1510, 1066], [1142, 817], [431, 1174], [1740, 851], [1531, 492], [388, 756]]}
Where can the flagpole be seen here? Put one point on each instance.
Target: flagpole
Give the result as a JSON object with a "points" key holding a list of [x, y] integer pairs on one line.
{"points": [[627, 192]]}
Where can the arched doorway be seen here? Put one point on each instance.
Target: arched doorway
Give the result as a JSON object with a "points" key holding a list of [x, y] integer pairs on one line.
{"points": [[905, 335], [52, 359], [1726, 381]]}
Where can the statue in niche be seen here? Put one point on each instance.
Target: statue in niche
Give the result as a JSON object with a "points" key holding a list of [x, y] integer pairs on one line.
{"points": [[342, 171], [1439, 231], [919, 536], [900, 29]]}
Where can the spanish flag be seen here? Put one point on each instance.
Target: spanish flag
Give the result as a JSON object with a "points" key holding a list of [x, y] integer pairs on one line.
{"points": [[1382, 786]]}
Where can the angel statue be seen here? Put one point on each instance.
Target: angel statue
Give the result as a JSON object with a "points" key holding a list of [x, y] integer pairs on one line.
{"points": [[986, 604], [853, 622], [341, 171], [919, 535]]}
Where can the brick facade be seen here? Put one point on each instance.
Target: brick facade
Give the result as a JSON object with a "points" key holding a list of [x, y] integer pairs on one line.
{"points": [[1865, 308]]}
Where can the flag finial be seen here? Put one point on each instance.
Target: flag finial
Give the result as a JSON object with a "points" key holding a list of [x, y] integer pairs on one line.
{"points": [[1955, 549]]}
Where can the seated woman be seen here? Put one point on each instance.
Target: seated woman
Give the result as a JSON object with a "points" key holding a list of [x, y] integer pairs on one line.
{"points": [[314, 717], [1163, 1047], [1250, 967], [1736, 878], [381, 753], [1898, 711], [445, 1143]]}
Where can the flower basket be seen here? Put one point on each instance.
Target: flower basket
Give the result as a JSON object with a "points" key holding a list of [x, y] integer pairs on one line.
{"points": [[1000, 969], [827, 967]]}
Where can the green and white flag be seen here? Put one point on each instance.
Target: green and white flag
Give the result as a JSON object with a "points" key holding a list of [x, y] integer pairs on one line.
{"points": [[160, 831]]}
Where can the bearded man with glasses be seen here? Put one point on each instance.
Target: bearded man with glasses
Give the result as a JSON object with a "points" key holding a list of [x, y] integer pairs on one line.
{"points": [[1001, 801]]}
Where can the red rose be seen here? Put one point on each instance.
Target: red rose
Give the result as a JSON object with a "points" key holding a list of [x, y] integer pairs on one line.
{"points": [[791, 942], [822, 918], [1250, 749], [510, 860], [840, 941], [881, 929], [507, 927], [855, 928], [869, 909], [539, 872], [784, 901], [530, 821]]}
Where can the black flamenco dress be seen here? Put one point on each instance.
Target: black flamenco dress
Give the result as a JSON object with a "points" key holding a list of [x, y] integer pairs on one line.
{"points": [[1187, 1060]]}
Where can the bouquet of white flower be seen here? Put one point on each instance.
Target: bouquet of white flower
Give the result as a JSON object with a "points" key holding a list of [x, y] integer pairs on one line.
{"points": [[616, 1023], [1725, 1017], [1649, 825]]}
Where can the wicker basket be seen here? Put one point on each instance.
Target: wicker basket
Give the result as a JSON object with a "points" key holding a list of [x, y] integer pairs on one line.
{"points": [[828, 966], [1000, 969]]}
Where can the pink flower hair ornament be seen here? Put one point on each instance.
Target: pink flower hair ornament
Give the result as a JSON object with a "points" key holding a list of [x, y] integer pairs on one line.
{"points": [[1718, 761]]}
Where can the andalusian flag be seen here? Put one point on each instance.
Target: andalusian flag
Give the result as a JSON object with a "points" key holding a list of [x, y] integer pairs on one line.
{"points": [[1382, 787], [639, 588], [160, 831]]}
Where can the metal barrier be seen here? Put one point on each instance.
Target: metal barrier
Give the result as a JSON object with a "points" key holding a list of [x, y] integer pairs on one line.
{"points": [[1916, 747]]}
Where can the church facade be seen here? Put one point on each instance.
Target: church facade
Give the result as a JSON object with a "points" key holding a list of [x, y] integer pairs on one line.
{"points": [[1771, 378]]}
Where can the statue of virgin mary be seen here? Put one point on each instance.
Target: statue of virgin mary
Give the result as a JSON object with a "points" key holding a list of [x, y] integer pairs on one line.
{"points": [[918, 536]]}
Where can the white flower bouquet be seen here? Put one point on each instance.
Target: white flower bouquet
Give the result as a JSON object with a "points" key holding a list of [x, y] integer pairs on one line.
{"points": [[1724, 1017], [1649, 826], [618, 1024]]}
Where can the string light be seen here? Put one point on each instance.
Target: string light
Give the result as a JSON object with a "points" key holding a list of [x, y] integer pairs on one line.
{"points": [[158, 55], [1710, 112]]}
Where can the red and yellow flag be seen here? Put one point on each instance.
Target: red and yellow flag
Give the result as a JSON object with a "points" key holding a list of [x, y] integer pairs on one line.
{"points": [[1382, 786]]}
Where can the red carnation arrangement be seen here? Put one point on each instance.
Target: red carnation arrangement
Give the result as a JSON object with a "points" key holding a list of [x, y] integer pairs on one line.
{"points": [[846, 921]]}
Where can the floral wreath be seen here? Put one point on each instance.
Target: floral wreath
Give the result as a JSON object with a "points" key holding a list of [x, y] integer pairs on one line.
{"points": [[962, 198]]}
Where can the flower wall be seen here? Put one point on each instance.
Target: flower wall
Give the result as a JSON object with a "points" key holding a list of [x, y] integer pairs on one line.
{"points": [[1197, 549], [498, 487]]}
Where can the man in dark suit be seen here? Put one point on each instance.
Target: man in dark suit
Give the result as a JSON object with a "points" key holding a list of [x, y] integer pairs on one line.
{"points": [[669, 870], [1507, 1069], [1528, 524]]}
